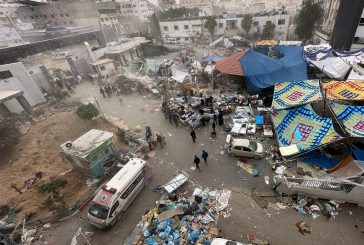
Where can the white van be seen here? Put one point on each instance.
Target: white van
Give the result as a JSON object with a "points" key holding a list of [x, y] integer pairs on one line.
{"points": [[114, 197]]}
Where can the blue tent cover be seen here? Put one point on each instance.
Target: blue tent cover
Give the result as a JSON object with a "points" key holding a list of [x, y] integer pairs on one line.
{"points": [[262, 71]]}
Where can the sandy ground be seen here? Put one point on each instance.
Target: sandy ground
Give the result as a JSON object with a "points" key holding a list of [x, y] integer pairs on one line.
{"points": [[276, 226], [38, 151]]}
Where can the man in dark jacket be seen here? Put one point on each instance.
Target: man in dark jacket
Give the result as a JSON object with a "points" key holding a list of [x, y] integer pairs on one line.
{"points": [[205, 155], [193, 135], [197, 162]]}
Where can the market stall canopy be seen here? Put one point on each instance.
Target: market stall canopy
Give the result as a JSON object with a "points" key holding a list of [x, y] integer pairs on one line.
{"points": [[263, 71], [333, 67], [353, 75], [315, 48], [302, 128], [290, 43], [212, 58], [266, 43], [231, 64], [318, 55], [179, 76], [353, 169], [352, 117], [344, 90], [291, 94], [351, 57]]}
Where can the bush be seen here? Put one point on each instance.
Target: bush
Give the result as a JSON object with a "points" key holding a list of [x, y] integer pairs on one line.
{"points": [[52, 185], [87, 112], [61, 95]]}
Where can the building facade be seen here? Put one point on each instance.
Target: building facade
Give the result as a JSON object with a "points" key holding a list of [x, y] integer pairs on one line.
{"points": [[139, 8], [166, 4], [205, 6], [323, 34], [190, 30]]}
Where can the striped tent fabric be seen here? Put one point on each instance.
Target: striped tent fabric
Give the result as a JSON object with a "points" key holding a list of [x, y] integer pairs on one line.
{"points": [[291, 94], [344, 90], [231, 64], [352, 117], [266, 43], [304, 128]]}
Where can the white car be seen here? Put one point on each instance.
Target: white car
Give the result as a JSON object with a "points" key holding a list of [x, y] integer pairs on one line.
{"points": [[245, 148], [222, 241]]}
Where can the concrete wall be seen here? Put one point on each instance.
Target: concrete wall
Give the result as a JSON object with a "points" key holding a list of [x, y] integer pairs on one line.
{"points": [[40, 78], [21, 80]]}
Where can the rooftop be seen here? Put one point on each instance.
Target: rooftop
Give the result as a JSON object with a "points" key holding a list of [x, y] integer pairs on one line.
{"points": [[85, 144], [7, 95], [101, 62]]}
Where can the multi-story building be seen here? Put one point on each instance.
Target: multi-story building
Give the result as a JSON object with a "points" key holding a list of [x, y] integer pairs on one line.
{"points": [[9, 37], [204, 5], [140, 8], [189, 30], [343, 24]]}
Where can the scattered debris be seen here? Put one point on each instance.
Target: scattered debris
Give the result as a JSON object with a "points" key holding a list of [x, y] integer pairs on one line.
{"points": [[251, 238], [303, 227]]}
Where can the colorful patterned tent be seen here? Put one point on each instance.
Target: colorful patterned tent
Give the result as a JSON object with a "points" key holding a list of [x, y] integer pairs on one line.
{"points": [[352, 117], [344, 90], [290, 94], [303, 128]]}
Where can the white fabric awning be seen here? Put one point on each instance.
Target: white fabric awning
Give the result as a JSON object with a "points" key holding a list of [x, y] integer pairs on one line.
{"points": [[353, 75], [179, 76], [334, 67]]}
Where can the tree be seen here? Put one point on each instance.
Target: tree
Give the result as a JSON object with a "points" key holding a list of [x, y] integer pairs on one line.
{"points": [[268, 30], [87, 112], [210, 25], [246, 22], [179, 12], [307, 19]]}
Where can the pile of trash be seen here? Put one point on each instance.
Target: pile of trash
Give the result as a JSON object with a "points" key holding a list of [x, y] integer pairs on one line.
{"points": [[179, 220]]}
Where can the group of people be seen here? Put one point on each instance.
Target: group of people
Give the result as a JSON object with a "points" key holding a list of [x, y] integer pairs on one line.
{"points": [[197, 160], [108, 90]]}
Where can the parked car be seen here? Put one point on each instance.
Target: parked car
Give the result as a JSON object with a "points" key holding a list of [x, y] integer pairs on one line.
{"points": [[222, 241], [228, 123], [57, 31], [245, 148]]}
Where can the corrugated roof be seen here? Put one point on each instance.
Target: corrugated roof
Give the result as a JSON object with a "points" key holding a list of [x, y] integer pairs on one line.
{"points": [[231, 64], [85, 144]]}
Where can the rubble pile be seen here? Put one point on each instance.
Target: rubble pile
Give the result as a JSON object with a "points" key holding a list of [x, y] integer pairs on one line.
{"points": [[180, 220]]}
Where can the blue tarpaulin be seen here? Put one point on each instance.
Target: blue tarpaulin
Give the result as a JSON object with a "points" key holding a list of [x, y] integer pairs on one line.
{"points": [[262, 71], [318, 159], [259, 120], [358, 154]]}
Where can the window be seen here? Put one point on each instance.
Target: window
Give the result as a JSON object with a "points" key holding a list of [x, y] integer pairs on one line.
{"points": [[102, 68], [133, 185], [165, 28], [281, 21], [178, 38], [247, 149], [102, 20], [71, 22], [176, 28], [61, 15], [186, 38], [45, 16], [52, 15], [67, 14], [186, 27], [237, 148], [113, 208], [221, 25], [268, 22], [358, 40], [5, 74], [65, 22], [32, 9], [55, 23], [361, 21]]}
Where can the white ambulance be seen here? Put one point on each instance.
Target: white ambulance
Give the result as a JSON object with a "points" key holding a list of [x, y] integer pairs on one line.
{"points": [[114, 197]]}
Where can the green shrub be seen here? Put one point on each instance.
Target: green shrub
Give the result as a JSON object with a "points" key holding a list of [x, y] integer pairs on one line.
{"points": [[61, 95], [87, 112], [52, 185]]}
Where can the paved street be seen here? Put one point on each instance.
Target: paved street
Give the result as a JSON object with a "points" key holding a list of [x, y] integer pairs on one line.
{"points": [[277, 227]]}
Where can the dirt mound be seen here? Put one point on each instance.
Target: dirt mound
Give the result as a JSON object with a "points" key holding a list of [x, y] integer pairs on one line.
{"points": [[38, 151]]}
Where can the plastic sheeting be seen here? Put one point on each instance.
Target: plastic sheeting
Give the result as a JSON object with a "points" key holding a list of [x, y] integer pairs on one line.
{"points": [[358, 154], [212, 58], [262, 71], [303, 128], [290, 94], [352, 117], [318, 159], [318, 55], [315, 48], [152, 64], [351, 57], [353, 75], [353, 169], [333, 67], [290, 43], [344, 90], [179, 76]]}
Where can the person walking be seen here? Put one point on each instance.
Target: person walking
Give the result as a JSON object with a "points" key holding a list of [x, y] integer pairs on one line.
{"points": [[215, 118], [120, 100], [213, 126], [102, 91], [193, 135], [197, 162], [204, 156]]}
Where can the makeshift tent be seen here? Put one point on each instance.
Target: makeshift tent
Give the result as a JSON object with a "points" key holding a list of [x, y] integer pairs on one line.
{"points": [[352, 117], [231, 64], [348, 159], [318, 55], [290, 43], [316, 158], [179, 76], [153, 64], [333, 67], [290, 94], [302, 128], [314, 48], [197, 65], [263, 71], [351, 57], [344, 90], [266, 43], [353, 169], [353, 75], [209, 69], [212, 58]]}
